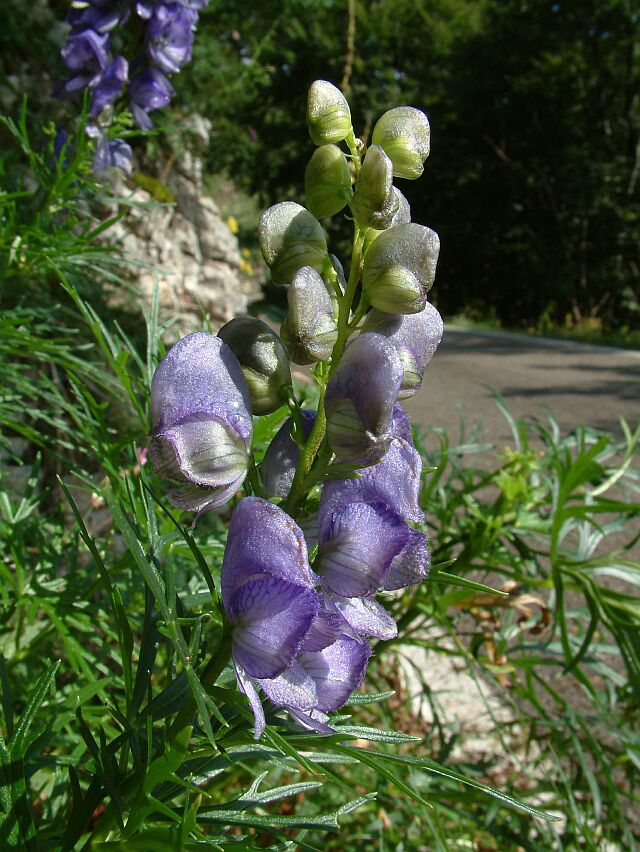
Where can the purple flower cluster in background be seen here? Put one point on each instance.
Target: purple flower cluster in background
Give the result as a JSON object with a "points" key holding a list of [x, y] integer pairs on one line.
{"points": [[90, 55]]}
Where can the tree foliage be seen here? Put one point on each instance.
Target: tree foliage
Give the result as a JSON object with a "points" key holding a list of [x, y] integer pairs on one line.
{"points": [[533, 177]]}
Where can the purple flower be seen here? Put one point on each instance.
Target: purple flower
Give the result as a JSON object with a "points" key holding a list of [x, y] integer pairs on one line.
{"points": [[201, 422], [317, 683], [170, 36], [100, 15], [285, 638], [360, 397], [109, 85], [149, 89], [267, 589], [112, 154], [357, 543], [415, 336], [86, 51], [281, 458], [375, 507]]}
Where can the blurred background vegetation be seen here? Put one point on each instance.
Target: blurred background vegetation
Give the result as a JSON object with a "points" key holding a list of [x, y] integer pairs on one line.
{"points": [[534, 173]]}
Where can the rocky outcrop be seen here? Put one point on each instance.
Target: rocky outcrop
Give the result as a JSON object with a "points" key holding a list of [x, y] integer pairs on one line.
{"points": [[189, 250]]}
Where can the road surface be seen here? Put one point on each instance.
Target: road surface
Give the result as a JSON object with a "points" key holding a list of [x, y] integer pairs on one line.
{"points": [[580, 384]]}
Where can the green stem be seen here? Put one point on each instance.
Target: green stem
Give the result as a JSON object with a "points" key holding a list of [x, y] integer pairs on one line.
{"points": [[308, 453], [254, 476]]}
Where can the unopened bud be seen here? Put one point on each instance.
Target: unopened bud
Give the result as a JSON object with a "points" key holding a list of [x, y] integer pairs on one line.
{"points": [[400, 217], [328, 113], [291, 237], [404, 134], [327, 181], [310, 329], [281, 458], [374, 201], [399, 268], [263, 359], [415, 336]]}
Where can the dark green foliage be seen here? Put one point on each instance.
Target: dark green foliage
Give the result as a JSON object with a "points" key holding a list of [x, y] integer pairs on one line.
{"points": [[532, 182]]}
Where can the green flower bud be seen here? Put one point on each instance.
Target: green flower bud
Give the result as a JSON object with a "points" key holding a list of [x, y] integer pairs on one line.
{"points": [[327, 181], [400, 217], [263, 359], [399, 268], [397, 290], [290, 238], [310, 329], [328, 113], [404, 134], [374, 201]]}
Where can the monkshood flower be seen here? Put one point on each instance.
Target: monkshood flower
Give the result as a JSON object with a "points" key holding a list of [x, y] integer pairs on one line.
{"points": [[328, 113], [109, 85], [86, 53], [374, 201], [279, 463], [291, 237], [145, 8], [415, 336], [169, 35], [360, 397], [365, 542], [267, 588], [327, 181], [112, 154], [149, 89], [310, 328], [400, 267], [201, 422], [102, 16], [263, 359], [404, 134]]}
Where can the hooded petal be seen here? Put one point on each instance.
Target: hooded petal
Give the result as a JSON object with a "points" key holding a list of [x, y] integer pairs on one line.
{"points": [[401, 258], [291, 237], [360, 397], [271, 619], [200, 375], [404, 134], [357, 544], [264, 540], [365, 616], [411, 565], [337, 671]]}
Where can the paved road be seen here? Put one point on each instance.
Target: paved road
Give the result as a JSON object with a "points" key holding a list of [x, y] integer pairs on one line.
{"points": [[580, 384]]}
